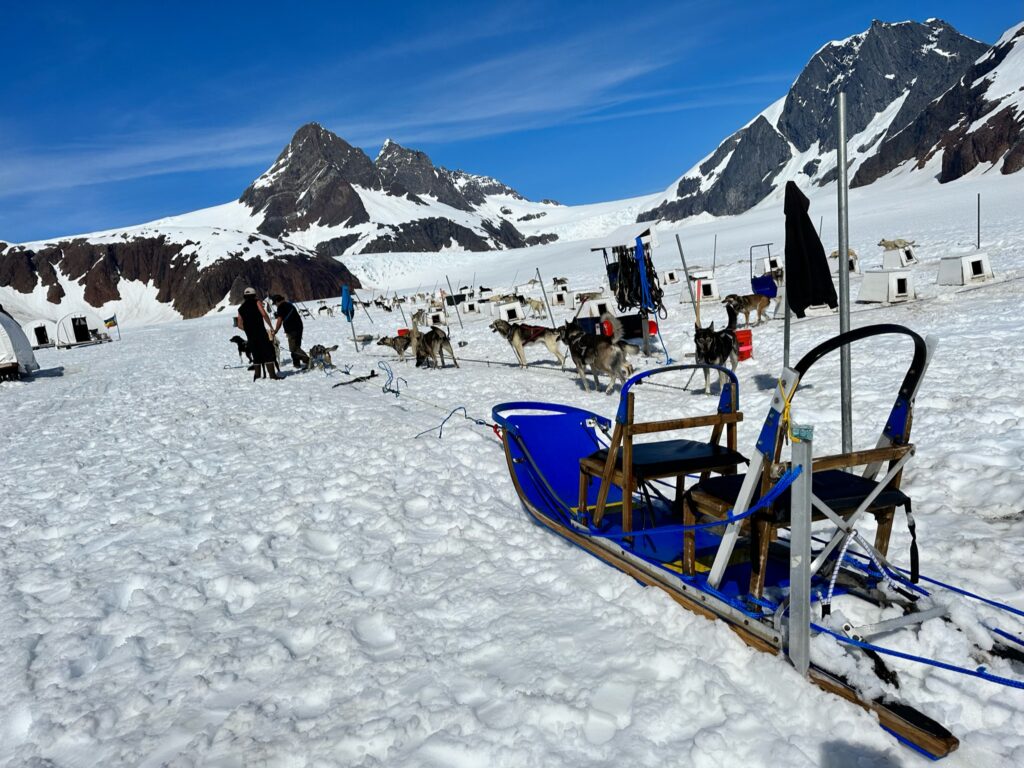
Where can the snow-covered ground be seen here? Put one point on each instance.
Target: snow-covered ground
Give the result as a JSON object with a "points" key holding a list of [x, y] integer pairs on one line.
{"points": [[203, 570]]}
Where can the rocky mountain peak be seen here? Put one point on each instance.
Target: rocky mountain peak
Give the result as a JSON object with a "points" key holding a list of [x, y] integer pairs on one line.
{"points": [[311, 183], [413, 171]]}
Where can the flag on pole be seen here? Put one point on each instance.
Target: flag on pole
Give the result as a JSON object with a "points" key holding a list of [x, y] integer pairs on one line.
{"points": [[111, 321], [348, 308]]}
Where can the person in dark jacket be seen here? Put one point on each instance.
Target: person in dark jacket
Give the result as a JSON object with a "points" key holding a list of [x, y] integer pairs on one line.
{"points": [[288, 316], [253, 319]]}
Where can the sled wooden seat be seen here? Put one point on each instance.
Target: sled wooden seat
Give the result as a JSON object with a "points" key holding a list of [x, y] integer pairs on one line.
{"points": [[832, 483], [628, 464]]}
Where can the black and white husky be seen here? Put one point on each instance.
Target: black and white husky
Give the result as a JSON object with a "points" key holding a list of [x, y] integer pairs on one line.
{"points": [[602, 353], [716, 347]]}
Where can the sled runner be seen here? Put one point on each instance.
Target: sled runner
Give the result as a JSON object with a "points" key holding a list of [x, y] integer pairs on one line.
{"points": [[715, 547]]}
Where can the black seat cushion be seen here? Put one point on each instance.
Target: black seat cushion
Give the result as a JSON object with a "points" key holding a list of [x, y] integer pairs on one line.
{"points": [[842, 491], [674, 457]]}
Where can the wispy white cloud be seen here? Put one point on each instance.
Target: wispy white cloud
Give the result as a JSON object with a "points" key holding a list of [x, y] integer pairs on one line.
{"points": [[589, 75]]}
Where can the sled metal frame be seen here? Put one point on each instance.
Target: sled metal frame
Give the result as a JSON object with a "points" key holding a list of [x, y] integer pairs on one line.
{"points": [[893, 446]]}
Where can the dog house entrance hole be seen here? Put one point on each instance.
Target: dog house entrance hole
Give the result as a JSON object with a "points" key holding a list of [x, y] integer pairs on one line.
{"points": [[437, 318], [42, 337], [977, 268], [513, 314], [901, 286], [706, 290], [602, 308], [558, 299]]}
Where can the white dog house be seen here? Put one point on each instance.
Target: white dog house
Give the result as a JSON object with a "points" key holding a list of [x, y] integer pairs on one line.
{"points": [[887, 286], [512, 312], [853, 261], [438, 317], [705, 285], [771, 263], [898, 258], [561, 299], [964, 270], [471, 308], [41, 333], [76, 330], [670, 277]]}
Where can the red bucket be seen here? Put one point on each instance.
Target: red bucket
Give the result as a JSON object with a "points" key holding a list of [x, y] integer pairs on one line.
{"points": [[745, 338], [403, 331]]}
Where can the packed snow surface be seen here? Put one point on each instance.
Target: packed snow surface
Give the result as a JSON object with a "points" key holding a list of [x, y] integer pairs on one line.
{"points": [[203, 570]]}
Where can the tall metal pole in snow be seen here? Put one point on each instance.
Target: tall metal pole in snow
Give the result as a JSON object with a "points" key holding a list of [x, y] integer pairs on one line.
{"points": [[979, 221], [799, 645], [846, 386]]}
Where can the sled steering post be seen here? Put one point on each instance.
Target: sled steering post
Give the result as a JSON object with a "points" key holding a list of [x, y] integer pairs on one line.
{"points": [[799, 646]]}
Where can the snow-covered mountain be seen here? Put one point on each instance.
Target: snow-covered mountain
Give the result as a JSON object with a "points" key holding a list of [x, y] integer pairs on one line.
{"points": [[891, 73], [977, 122], [328, 195]]}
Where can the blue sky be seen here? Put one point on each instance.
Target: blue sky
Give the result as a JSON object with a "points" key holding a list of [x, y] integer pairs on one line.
{"points": [[117, 113]]}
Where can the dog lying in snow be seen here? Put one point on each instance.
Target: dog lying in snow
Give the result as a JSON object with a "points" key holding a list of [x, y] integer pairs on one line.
{"points": [[320, 357]]}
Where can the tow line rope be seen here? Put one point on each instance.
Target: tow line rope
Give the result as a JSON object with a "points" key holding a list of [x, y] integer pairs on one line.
{"points": [[980, 672], [465, 415], [390, 386]]}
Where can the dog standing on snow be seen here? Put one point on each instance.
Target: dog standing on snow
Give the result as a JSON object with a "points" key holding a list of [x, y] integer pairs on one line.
{"points": [[602, 353], [751, 302], [716, 347], [519, 335]]}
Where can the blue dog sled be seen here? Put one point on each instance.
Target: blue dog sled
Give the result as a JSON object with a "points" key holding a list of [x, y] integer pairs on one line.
{"points": [[712, 543]]}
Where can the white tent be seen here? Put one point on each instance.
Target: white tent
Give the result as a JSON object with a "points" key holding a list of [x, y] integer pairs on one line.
{"points": [[41, 333], [16, 357]]}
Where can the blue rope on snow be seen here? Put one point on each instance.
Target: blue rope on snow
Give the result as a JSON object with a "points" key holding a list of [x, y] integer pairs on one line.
{"points": [[979, 672], [396, 390], [465, 415]]}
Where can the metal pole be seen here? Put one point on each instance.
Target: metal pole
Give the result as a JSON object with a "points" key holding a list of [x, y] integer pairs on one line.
{"points": [[785, 327], [454, 302], [401, 309], [846, 387], [544, 293], [979, 221], [800, 553], [686, 276]]}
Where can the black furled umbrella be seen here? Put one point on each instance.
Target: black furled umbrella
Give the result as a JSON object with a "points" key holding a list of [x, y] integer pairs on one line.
{"points": [[808, 279]]}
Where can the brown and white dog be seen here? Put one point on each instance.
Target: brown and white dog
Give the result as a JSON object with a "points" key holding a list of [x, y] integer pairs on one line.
{"points": [[751, 302], [519, 335], [398, 343]]}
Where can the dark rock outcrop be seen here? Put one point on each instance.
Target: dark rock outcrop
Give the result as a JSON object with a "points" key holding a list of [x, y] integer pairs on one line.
{"points": [[178, 278], [950, 125], [430, 234]]}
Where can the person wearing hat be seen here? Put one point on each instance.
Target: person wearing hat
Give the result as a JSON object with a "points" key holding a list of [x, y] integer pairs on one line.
{"points": [[288, 316], [259, 333]]}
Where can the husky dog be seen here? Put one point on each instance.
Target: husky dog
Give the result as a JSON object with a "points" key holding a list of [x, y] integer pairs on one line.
{"points": [[419, 317], [716, 347], [326, 308], [243, 347], [602, 353], [751, 302], [536, 307], [895, 245], [319, 355], [398, 343], [518, 335], [430, 345]]}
